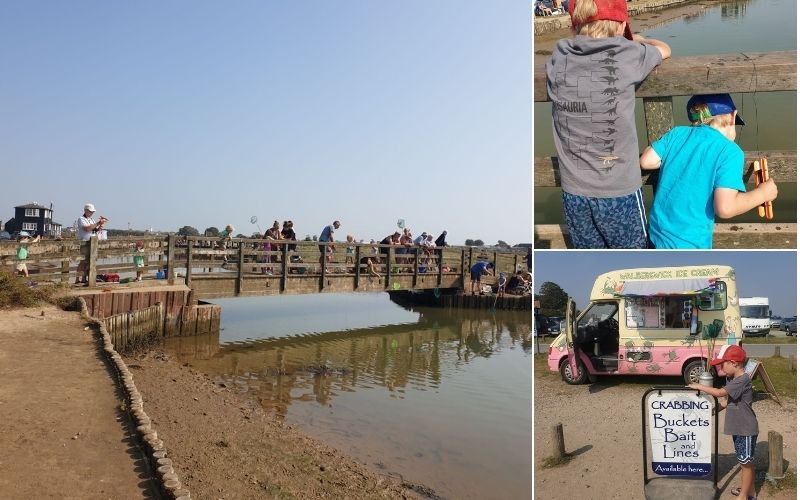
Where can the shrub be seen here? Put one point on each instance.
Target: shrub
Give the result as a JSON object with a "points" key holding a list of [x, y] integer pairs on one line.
{"points": [[15, 292]]}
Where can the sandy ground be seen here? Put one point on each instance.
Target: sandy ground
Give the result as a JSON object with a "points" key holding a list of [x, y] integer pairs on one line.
{"points": [[224, 445], [602, 428], [62, 433]]}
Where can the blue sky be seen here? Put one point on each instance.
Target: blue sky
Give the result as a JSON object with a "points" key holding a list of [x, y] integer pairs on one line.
{"points": [[164, 114], [770, 274]]}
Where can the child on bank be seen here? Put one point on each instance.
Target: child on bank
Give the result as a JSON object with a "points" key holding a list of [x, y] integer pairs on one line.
{"points": [[701, 175], [591, 81], [740, 420], [22, 251]]}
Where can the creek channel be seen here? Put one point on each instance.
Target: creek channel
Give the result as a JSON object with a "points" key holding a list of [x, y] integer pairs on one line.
{"points": [[437, 397]]}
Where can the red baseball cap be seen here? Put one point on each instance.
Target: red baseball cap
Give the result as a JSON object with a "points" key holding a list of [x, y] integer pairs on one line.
{"points": [[732, 353], [607, 10]]}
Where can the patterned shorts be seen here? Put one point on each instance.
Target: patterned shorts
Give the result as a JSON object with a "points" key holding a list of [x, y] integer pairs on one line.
{"points": [[745, 447], [606, 222]]}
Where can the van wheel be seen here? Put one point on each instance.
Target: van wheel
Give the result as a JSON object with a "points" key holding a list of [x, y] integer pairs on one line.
{"points": [[693, 370], [567, 376]]}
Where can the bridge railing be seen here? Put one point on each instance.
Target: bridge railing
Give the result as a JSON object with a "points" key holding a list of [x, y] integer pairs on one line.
{"points": [[184, 259], [684, 76]]}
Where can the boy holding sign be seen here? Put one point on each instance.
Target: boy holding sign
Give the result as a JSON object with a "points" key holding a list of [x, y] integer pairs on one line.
{"points": [[740, 420]]}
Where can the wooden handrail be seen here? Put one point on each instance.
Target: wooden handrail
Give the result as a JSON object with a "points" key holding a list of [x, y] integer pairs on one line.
{"points": [[741, 72], [782, 168]]}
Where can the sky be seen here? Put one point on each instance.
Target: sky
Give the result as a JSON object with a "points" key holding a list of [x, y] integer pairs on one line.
{"points": [[770, 274], [165, 114]]}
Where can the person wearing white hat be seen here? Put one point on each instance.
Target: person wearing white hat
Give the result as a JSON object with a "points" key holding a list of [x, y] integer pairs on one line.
{"points": [[87, 227]]}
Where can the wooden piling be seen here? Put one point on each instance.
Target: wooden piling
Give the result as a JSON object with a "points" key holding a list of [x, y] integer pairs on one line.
{"points": [[775, 455], [559, 451]]}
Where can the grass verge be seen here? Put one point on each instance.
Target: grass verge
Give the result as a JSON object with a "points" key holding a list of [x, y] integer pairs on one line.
{"points": [[783, 374], [775, 337]]}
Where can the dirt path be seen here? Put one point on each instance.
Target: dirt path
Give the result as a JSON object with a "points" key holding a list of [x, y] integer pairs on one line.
{"points": [[63, 435], [224, 445], [602, 427]]}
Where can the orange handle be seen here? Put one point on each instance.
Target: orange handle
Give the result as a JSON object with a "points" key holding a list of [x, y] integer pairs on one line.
{"points": [[757, 173], [765, 173]]}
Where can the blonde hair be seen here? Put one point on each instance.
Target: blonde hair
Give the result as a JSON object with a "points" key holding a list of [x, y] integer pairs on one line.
{"points": [[585, 9], [706, 118]]}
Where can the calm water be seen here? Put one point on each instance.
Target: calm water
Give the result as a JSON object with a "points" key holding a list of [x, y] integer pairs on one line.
{"points": [[439, 397], [730, 27]]}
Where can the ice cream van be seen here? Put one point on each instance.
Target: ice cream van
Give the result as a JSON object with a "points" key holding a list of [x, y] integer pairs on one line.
{"points": [[658, 321]]}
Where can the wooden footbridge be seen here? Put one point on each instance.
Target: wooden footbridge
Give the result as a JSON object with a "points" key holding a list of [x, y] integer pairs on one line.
{"points": [[243, 267], [685, 76]]}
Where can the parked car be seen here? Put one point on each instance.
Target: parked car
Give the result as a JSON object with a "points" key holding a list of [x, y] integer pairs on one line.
{"points": [[790, 326], [555, 326], [775, 322], [4, 235]]}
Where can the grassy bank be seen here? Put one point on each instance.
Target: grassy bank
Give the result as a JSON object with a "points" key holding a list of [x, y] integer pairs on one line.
{"points": [[775, 337], [16, 292], [783, 375]]}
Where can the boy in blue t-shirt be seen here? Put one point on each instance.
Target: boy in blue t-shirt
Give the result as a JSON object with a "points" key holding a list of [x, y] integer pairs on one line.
{"points": [[701, 175]]}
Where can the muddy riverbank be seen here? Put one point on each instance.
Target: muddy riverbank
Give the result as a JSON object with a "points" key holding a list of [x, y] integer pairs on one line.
{"points": [[224, 445]]}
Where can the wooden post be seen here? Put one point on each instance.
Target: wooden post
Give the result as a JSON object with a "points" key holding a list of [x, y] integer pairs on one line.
{"points": [[91, 275], [358, 267], [440, 254], [285, 259], [775, 455], [189, 246], [64, 265], [389, 261], [463, 270], [171, 259], [324, 261], [516, 256], [559, 451], [240, 270], [416, 267]]}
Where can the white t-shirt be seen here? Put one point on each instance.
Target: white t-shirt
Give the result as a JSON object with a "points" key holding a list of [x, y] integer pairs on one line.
{"points": [[85, 234]]}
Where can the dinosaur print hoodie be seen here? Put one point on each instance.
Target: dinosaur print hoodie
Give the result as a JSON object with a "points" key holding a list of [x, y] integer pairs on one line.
{"points": [[592, 83]]}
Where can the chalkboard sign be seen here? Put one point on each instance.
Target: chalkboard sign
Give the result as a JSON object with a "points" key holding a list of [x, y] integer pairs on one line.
{"points": [[680, 425]]}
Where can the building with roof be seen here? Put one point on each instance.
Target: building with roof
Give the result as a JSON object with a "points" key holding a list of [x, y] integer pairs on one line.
{"points": [[34, 218]]}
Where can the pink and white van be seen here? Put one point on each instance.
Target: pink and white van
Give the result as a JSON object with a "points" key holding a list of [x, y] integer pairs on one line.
{"points": [[657, 321]]}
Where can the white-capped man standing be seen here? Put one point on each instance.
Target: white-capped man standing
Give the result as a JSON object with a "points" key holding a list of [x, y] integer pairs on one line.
{"points": [[87, 227]]}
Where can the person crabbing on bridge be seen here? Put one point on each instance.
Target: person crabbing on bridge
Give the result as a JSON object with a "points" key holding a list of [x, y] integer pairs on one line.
{"points": [[326, 251], [87, 227], [701, 175]]}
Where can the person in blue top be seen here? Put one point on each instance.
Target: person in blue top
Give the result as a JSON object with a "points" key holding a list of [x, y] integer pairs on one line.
{"points": [[476, 271], [701, 175], [326, 251]]}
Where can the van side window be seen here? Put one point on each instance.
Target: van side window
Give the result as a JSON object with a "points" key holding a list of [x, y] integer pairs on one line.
{"points": [[716, 299], [672, 311]]}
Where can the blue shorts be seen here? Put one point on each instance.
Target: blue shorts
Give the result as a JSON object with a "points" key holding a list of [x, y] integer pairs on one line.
{"points": [[606, 222], [745, 447], [475, 276]]}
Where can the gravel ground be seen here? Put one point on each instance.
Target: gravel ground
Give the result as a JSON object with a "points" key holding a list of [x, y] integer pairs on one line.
{"points": [[602, 429]]}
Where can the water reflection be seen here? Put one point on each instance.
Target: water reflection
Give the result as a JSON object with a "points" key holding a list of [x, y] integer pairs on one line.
{"points": [[318, 367], [442, 398]]}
